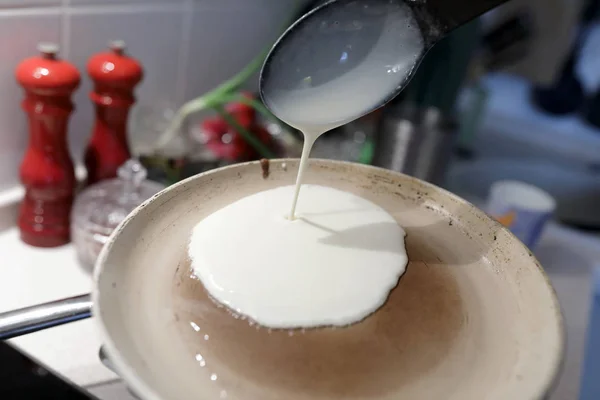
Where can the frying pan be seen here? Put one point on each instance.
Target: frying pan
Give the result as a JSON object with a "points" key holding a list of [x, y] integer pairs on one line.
{"points": [[474, 316]]}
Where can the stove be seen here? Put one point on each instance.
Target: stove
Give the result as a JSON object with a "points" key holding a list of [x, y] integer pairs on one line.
{"points": [[21, 377]]}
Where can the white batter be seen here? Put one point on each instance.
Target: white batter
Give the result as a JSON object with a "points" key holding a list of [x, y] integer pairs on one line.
{"points": [[334, 265]]}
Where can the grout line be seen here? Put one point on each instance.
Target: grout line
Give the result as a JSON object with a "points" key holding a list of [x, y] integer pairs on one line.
{"points": [[29, 11], [110, 8], [14, 5], [239, 6], [65, 30], [184, 53], [11, 196]]}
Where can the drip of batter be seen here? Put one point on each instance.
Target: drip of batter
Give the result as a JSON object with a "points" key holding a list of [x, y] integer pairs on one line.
{"points": [[315, 97]]}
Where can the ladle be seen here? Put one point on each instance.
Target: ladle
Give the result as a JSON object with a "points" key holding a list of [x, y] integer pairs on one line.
{"points": [[365, 51]]}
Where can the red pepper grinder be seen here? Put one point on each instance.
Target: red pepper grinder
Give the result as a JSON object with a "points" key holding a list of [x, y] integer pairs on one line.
{"points": [[47, 169], [115, 75]]}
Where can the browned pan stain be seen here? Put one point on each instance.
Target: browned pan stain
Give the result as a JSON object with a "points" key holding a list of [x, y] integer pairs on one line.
{"points": [[264, 165], [412, 348], [410, 334]]}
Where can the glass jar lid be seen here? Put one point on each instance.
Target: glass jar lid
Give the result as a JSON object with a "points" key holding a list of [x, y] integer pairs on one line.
{"points": [[100, 208]]}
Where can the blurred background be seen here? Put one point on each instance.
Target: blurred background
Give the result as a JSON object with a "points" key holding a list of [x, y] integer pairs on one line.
{"points": [[512, 95]]}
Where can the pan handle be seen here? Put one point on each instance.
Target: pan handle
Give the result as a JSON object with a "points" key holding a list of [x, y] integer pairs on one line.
{"points": [[32, 319]]}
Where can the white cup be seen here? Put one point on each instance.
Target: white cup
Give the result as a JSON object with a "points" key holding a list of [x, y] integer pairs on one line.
{"points": [[522, 208]]}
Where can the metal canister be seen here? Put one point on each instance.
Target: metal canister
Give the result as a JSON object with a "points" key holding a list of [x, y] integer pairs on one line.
{"points": [[417, 142]]}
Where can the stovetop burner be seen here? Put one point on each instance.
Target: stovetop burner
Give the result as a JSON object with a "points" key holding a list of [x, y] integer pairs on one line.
{"points": [[24, 378]]}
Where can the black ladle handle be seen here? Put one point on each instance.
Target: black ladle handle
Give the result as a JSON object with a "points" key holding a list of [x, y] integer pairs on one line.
{"points": [[439, 17]]}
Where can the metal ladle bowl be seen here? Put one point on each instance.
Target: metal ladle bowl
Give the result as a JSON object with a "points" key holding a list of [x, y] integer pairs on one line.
{"points": [[340, 38]]}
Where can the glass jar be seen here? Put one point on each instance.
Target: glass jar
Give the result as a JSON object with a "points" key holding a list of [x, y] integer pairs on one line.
{"points": [[100, 208]]}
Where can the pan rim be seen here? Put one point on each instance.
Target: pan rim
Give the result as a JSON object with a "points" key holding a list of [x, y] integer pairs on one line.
{"points": [[139, 386]]}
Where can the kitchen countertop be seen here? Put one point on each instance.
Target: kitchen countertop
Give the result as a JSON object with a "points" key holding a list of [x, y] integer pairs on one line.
{"points": [[30, 276]]}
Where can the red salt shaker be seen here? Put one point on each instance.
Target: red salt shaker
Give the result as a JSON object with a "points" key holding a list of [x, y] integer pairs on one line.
{"points": [[115, 76], [47, 171]]}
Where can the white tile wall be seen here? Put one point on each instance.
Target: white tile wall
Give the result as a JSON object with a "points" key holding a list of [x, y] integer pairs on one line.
{"points": [[243, 29], [153, 36], [29, 3], [19, 35], [185, 46]]}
